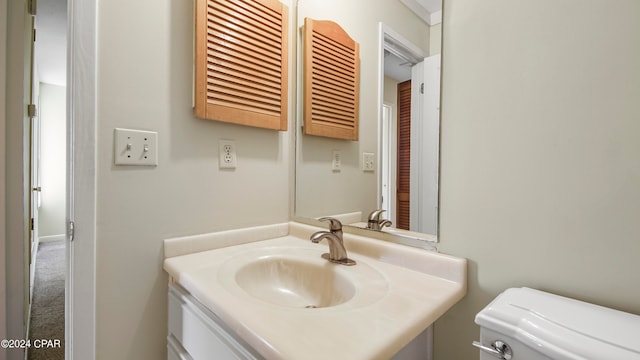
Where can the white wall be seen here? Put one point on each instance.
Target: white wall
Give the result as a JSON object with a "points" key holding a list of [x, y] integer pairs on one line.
{"points": [[53, 162], [390, 91], [319, 190], [540, 177], [435, 39], [144, 82]]}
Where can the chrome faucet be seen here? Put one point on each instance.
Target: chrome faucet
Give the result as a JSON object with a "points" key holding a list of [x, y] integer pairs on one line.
{"points": [[337, 252], [376, 222]]}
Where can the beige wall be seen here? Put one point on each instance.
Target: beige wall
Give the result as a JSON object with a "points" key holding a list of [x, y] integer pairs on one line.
{"points": [[390, 91], [540, 177], [435, 39], [144, 82]]}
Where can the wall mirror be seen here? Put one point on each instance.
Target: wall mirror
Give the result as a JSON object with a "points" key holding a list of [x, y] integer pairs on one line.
{"points": [[392, 166]]}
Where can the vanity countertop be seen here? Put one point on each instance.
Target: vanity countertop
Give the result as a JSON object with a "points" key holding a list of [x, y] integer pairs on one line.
{"points": [[419, 287]]}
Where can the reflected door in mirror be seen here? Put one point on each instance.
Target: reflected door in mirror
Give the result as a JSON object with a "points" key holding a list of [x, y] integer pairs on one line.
{"points": [[404, 155]]}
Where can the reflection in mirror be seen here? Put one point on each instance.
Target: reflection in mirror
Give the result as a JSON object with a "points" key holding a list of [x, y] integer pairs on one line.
{"points": [[334, 177], [409, 134], [331, 81]]}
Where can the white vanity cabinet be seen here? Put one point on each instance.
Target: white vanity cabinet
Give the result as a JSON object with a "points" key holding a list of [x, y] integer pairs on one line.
{"points": [[196, 333]]}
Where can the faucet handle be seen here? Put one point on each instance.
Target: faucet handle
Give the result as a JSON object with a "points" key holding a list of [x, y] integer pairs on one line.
{"points": [[375, 214], [334, 224]]}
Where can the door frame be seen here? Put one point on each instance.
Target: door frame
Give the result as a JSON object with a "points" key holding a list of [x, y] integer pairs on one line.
{"points": [[80, 299], [3, 79], [388, 154]]}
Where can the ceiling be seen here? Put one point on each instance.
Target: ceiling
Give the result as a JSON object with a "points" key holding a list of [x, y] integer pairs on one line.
{"points": [[396, 68], [51, 41]]}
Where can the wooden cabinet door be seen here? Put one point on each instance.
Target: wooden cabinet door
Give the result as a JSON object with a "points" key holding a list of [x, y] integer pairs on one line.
{"points": [[331, 81], [241, 62]]}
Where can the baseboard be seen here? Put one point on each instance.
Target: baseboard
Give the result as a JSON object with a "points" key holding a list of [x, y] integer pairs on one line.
{"points": [[51, 238]]}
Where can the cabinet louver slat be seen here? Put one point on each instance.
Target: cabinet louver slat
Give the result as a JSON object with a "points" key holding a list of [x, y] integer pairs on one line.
{"points": [[331, 81], [242, 62]]}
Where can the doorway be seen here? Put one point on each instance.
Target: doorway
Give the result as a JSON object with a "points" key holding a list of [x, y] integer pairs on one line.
{"points": [[47, 280], [398, 59], [81, 177]]}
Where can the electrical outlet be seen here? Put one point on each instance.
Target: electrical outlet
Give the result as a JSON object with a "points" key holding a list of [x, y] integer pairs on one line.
{"points": [[227, 154], [336, 160], [135, 147], [368, 162]]}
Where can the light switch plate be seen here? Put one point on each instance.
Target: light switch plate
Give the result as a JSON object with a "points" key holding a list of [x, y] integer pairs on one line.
{"points": [[368, 162], [135, 147], [336, 160]]}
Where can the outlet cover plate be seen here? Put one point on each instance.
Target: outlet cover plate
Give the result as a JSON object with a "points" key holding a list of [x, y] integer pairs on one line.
{"points": [[135, 147], [227, 154], [368, 161]]}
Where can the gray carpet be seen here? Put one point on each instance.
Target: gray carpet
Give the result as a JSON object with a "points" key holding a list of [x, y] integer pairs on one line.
{"points": [[47, 308]]}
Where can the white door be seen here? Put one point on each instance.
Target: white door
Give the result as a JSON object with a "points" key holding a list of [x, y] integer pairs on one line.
{"points": [[34, 160], [425, 138], [80, 297], [35, 197]]}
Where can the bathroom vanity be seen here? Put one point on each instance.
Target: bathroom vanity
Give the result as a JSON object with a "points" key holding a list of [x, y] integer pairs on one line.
{"points": [[266, 292]]}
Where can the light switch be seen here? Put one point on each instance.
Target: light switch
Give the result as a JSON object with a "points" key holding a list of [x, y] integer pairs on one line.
{"points": [[135, 147], [336, 160], [368, 162]]}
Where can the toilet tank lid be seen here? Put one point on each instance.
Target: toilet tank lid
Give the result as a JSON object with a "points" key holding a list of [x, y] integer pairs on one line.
{"points": [[563, 328]]}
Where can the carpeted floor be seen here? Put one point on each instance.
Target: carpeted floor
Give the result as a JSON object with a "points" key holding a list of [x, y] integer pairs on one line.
{"points": [[47, 308]]}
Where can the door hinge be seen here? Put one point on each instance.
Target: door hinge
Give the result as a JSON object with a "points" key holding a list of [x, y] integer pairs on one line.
{"points": [[422, 88], [33, 224], [32, 111], [71, 230], [33, 5]]}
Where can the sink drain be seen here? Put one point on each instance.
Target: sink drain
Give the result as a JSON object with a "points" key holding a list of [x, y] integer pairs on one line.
{"points": [[310, 307]]}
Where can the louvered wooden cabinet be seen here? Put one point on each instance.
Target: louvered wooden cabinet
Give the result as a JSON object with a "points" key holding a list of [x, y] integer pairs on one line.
{"points": [[241, 62], [331, 81]]}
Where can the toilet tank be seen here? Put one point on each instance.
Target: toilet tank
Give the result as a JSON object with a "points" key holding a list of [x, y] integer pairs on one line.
{"points": [[537, 325]]}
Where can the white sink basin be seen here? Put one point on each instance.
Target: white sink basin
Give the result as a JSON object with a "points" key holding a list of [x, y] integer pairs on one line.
{"points": [[297, 277], [291, 282]]}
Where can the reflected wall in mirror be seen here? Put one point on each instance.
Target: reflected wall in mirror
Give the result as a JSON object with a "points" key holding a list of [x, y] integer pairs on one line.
{"points": [[323, 190]]}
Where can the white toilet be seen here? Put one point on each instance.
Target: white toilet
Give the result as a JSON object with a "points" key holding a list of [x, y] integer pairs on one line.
{"points": [[528, 324]]}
